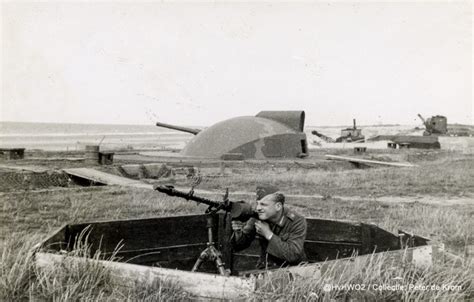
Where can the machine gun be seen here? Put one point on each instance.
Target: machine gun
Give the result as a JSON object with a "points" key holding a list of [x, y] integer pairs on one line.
{"points": [[239, 210]]}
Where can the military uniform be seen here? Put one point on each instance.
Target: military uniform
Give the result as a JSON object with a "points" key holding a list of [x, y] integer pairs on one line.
{"points": [[284, 248]]}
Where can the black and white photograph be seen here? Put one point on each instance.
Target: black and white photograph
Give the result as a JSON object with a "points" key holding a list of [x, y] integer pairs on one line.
{"points": [[236, 150]]}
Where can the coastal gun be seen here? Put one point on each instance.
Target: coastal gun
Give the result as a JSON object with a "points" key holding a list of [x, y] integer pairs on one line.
{"points": [[179, 128], [351, 134], [322, 136], [238, 210], [434, 125]]}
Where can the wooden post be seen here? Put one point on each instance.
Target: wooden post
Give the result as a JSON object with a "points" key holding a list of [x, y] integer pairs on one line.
{"points": [[92, 154], [224, 243]]}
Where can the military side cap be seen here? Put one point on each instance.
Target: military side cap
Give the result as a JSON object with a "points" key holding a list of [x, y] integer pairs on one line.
{"points": [[263, 191]]}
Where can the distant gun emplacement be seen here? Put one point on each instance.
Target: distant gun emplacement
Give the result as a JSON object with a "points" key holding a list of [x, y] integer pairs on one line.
{"points": [[350, 134], [437, 124], [269, 134]]}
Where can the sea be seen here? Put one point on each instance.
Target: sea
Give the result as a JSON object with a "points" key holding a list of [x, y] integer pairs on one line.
{"points": [[71, 137], [74, 137]]}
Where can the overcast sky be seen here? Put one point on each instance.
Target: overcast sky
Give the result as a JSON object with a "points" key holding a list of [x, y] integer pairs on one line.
{"points": [[197, 64]]}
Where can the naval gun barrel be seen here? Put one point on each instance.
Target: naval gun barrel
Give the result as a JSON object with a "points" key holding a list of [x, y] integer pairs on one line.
{"points": [[422, 119], [322, 136], [239, 210], [179, 128]]}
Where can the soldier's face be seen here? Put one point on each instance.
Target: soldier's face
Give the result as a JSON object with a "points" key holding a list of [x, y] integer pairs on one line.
{"points": [[267, 209]]}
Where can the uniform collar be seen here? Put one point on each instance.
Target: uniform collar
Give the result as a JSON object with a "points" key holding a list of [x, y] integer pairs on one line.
{"points": [[282, 220]]}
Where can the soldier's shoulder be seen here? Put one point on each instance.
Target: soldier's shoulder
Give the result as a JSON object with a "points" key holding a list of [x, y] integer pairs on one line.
{"points": [[293, 216]]}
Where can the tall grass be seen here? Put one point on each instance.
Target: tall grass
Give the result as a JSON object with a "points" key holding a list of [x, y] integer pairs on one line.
{"points": [[16, 267], [441, 224], [78, 277], [71, 279], [42, 212], [447, 176], [376, 278]]}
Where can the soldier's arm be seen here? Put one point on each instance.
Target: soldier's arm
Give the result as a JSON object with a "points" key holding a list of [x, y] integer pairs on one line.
{"points": [[289, 249], [242, 239]]}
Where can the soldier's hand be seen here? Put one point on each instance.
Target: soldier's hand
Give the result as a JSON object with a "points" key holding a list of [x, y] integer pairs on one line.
{"points": [[237, 225], [263, 229]]}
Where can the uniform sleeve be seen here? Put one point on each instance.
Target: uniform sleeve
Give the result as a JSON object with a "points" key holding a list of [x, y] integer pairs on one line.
{"points": [[291, 249], [243, 239]]}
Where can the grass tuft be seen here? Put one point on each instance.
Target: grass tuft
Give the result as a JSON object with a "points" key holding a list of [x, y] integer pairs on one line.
{"points": [[373, 279], [16, 267], [78, 277]]}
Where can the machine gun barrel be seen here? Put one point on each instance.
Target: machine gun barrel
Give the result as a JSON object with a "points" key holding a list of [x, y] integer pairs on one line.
{"points": [[171, 191], [422, 119], [239, 210]]}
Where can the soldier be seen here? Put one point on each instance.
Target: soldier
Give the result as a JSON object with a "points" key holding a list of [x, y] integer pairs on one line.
{"points": [[281, 233]]}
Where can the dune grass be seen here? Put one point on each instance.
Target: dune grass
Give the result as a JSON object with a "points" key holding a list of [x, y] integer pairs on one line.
{"points": [[453, 176], [375, 278], [78, 277], [17, 267], [27, 217], [20, 281]]}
